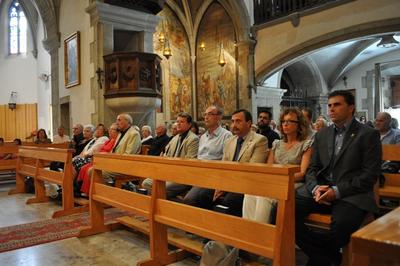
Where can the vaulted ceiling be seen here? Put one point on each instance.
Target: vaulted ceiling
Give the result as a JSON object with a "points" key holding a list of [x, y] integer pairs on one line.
{"points": [[337, 60]]}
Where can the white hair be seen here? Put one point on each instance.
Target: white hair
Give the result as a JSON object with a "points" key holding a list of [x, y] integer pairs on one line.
{"points": [[148, 128], [127, 117], [90, 127]]}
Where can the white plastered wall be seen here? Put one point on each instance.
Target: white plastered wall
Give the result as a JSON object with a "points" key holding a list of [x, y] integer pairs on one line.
{"points": [[43, 86], [17, 72], [73, 18], [355, 76], [20, 72]]}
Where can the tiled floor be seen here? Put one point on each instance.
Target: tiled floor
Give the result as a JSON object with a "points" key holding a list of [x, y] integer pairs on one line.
{"points": [[118, 247], [113, 248]]}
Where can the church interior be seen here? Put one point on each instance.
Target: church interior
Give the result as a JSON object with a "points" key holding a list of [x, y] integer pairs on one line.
{"points": [[69, 62]]}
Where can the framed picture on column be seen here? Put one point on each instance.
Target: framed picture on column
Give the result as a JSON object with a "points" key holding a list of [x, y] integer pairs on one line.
{"points": [[72, 58]]}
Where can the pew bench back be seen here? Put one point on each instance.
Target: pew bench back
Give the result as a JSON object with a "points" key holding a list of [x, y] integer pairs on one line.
{"points": [[9, 164], [391, 188], [273, 181], [32, 161]]}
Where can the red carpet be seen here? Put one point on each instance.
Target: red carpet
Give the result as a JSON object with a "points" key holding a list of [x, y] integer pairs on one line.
{"points": [[25, 235]]}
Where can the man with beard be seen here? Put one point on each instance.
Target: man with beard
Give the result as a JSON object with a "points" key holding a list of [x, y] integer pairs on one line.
{"points": [[263, 123]]}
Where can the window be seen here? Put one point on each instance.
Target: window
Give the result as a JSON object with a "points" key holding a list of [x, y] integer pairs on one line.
{"points": [[17, 29]]}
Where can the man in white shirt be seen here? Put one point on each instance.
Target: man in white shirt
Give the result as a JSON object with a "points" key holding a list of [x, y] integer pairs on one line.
{"points": [[61, 137], [211, 145]]}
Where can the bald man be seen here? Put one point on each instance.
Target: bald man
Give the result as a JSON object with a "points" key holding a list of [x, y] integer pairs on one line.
{"points": [[388, 134], [160, 141]]}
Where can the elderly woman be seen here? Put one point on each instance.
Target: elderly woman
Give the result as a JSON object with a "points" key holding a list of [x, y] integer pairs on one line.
{"points": [[84, 177], [94, 145], [293, 148], [41, 137], [147, 138], [320, 124]]}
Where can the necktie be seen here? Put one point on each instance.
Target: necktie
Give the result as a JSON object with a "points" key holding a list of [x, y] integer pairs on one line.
{"points": [[238, 148]]}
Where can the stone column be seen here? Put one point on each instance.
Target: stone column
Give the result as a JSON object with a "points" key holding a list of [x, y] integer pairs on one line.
{"points": [[104, 19], [267, 97], [245, 60], [52, 45]]}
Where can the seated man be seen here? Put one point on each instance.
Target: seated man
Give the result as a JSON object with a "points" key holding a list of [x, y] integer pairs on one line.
{"points": [[340, 180], [211, 146], [388, 134], [78, 142], [160, 141], [128, 141], [184, 145], [61, 137], [263, 124], [244, 146]]}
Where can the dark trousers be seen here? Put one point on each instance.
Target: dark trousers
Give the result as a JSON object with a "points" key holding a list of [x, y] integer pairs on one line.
{"points": [[323, 248], [234, 201]]}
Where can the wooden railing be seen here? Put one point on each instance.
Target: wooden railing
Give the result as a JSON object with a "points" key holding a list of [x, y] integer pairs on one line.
{"points": [[269, 10], [272, 241]]}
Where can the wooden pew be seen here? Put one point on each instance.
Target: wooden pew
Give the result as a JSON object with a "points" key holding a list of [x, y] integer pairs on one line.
{"points": [[10, 164], [120, 180], [40, 173], [378, 243], [64, 145], [391, 188], [272, 241]]}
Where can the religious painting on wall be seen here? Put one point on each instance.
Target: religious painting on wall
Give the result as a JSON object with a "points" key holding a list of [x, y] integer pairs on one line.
{"points": [[177, 68], [216, 82], [72, 60]]}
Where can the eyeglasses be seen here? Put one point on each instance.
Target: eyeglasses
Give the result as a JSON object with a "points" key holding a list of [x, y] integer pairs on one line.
{"points": [[208, 114], [289, 122]]}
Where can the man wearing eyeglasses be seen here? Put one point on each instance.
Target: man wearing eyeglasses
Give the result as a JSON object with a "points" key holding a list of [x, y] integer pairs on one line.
{"points": [[263, 123], [340, 179], [211, 146]]}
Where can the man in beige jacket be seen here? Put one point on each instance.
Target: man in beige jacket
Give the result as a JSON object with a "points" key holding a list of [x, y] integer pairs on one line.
{"points": [[183, 145], [128, 141], [244, 146]]}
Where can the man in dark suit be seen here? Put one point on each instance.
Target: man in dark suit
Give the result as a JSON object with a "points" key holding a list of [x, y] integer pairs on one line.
{"points": [[160, 141], [340, 180]]}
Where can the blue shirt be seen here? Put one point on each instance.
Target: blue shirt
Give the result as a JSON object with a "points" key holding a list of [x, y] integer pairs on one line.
{"points": [[211, 145], [391, 137]]}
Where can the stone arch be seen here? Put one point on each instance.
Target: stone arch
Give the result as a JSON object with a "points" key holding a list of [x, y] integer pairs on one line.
{"points": [[237, 10], [345, 34], [304, 81], [304, 75]]}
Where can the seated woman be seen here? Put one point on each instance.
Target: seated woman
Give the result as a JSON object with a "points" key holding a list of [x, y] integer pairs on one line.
{"points": [[293, 148], [41, 137], [94, 145], [9, 156], [84, 176], [147, 138], [320, 124]]}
